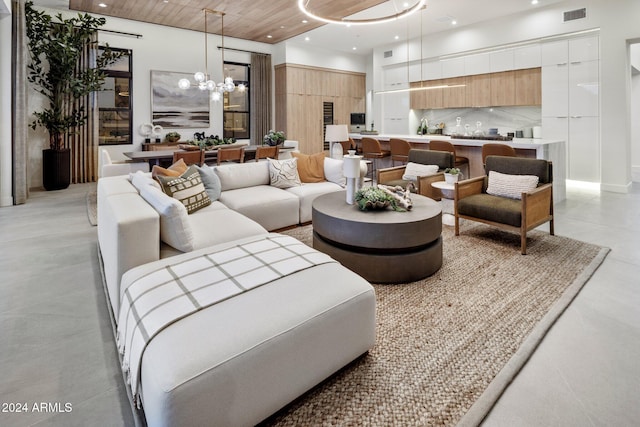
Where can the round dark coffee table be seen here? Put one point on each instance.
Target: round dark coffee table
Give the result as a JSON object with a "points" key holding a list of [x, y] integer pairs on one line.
{"points": [[382, 246]]}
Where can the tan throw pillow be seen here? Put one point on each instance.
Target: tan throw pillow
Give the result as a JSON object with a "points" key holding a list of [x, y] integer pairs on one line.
{"points": [[511, 186], [186, 188], [176, 169], [310, 167]]}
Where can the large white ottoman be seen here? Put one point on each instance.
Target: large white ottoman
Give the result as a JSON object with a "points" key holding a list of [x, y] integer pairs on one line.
{"points": [[239, 361]]}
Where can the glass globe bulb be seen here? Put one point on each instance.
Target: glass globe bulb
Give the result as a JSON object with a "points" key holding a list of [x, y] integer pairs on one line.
{"points": [[215, 96], [199, 76], [241, 87], [184, 84], [229, 87], [228, 80], [202, 86], [211, 85]]}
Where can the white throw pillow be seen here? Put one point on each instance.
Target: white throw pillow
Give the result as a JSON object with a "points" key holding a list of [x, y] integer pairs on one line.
{"points": [[140, 179], [511, 186], [333, 171], [413, 170], [174, 222], [284, 173]]}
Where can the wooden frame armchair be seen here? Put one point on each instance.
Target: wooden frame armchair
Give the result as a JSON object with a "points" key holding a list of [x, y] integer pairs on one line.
{"points": [[472, 202], [194, 157], [393, 175], [230, 155], [265, 152]]}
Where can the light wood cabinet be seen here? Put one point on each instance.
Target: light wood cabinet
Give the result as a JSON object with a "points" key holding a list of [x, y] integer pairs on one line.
{"points": [[300, 94], [503, 88], [508, 88], [528, 83], [478, 90]]}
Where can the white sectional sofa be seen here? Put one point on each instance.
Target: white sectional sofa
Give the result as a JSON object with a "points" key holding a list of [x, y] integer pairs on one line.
{"points": [[242, 359]]}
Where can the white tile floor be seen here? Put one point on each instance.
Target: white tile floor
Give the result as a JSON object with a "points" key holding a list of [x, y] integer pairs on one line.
{"points": [[57, 345]]}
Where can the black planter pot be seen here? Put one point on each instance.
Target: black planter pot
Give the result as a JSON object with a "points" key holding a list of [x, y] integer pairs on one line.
{"points": [[56, 169]]}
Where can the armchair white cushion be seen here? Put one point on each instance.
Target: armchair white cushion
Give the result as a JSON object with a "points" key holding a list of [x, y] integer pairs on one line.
{"points": [[109, 168]]}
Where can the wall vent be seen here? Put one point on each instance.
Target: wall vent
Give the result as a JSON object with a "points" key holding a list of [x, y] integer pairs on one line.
{"points": [[388, 54], [572, 15]]}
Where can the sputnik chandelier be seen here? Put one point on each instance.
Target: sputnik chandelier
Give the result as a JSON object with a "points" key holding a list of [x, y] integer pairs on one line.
{"points": [[203, 81], [408, 10]]}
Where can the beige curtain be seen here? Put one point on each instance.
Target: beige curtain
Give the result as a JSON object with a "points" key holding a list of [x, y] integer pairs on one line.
{"points": [[19, 149], [260, 96], [84, 142]]}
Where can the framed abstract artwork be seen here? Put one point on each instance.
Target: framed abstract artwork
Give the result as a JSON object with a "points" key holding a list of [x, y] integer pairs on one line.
{"points": [[172, 107]]}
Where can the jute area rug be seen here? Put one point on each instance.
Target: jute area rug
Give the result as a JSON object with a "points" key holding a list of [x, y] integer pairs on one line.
{"points": [[448, 345]]}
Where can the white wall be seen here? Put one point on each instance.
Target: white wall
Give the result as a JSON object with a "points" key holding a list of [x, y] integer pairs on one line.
{"points": [[618, 24], [635, 113], [323, 58]]}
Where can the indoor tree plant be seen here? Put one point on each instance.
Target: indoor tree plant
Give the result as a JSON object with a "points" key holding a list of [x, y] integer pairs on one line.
{"points": [[55, 46]]}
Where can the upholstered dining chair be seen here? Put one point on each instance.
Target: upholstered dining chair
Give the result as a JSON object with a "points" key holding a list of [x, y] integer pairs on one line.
{"points": [[515, 195], [495, 149], [399, 150], [230, 155], [266, 151], [192, 157], [440, 145], [371, 150]]}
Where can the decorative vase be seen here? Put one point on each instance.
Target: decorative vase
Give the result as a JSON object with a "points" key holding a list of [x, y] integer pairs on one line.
{"points": [[56, 169]]}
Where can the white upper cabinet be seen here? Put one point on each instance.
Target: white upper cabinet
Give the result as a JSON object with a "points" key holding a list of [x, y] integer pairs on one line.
{"points": [[452, 67], [555, 95], [396, 77], [501, 60], [432, 70], [584, 49], [553, 53], [527, 57], [477, 64]]}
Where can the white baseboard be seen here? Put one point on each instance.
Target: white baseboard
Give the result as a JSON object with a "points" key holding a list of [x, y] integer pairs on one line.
{"points": [[616, 188], [6, 201]]}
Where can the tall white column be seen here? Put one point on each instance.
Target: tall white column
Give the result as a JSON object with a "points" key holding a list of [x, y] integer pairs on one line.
{"points": [[6, 192]]}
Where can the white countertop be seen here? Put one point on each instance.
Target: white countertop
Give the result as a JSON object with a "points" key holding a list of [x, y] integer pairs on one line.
{"points": [[532, 143]]}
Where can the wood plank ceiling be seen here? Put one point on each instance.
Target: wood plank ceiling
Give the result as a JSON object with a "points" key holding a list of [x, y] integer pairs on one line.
{"points": [[254, 20]]}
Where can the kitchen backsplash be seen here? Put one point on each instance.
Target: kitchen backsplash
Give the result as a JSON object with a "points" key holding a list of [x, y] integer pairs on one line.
{"points": [[506, 119]]}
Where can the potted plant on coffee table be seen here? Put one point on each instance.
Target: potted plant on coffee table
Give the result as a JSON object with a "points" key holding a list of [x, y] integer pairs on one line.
{"points": [[55, 46]]}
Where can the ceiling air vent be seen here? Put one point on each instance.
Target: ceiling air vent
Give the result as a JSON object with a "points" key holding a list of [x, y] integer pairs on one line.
{"points": [[572, 15], [388, 54]]}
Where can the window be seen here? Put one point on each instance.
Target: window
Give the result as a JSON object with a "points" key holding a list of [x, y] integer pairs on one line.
{"points": [[114, 103], [236, 103]]}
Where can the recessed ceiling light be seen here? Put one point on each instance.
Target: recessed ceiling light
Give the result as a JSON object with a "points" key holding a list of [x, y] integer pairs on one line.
{"points": [[165, 1], [269, 36], [354, 48], [102, 5], [396, 37], [454, 22], [307, 39], [281, 27], [405, 4], [304, 21], [534, 1]]}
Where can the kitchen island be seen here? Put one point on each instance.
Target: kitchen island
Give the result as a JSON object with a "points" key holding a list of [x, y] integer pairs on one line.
{"points": [[548, 149]]}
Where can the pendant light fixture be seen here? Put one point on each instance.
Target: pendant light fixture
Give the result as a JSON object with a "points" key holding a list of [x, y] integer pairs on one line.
{"points": [[408, 10], [203, 80]]}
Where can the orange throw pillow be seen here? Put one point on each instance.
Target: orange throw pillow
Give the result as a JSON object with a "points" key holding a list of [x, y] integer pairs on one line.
{"points": [[176, 169], [310, 167]]}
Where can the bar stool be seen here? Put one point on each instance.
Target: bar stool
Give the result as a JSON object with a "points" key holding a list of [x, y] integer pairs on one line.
{"points": [[494, 149], [371, 150], [399, 150], [439, 145]]}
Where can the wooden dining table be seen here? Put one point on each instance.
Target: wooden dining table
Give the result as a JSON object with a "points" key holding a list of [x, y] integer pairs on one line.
{"points": [[166, 156]]}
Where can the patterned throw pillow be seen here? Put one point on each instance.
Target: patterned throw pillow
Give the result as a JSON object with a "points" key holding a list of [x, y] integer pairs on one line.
{"points": [[511, 186], [284, 173], [413, 170], [186, 188]]}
